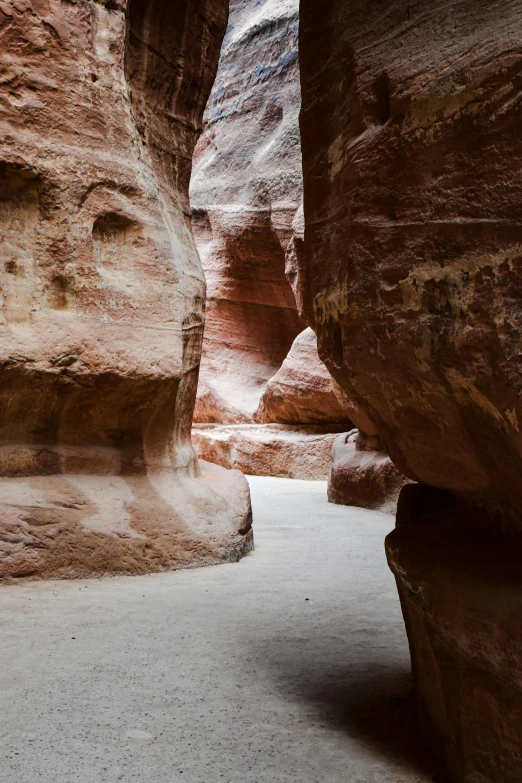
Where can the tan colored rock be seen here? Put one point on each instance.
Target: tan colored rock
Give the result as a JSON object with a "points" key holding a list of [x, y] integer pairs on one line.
{"points": [[245, 191], [362, 474], [102, 291], [410, 275], [301, 391], [289, 451]]}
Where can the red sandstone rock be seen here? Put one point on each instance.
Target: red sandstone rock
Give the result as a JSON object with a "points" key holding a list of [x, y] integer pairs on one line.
{"points": [[301, 391], [410, 277], [288, 451], [362, 474], [245, 190], [102, 291], [411, 157]]}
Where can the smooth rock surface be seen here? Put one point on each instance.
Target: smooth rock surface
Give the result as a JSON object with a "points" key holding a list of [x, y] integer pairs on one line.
{"points": [[224, 673], [102, 291], [288, 451], [245, 191]]}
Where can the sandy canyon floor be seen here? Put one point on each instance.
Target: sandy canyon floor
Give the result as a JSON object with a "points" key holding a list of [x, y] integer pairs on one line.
{"points": [[289, 667]]}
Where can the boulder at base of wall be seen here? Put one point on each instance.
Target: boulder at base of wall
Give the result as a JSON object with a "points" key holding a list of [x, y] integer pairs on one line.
{"points": [[301, 396], [362, 474]]}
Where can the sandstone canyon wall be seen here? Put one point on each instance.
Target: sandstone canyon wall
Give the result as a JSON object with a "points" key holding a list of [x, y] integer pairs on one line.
{"points": [[102, 291], [301, 391], [410, 276], [245, 192]]}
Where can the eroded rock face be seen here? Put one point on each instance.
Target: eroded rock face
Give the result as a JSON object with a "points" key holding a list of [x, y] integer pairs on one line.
{"points": [[460, 592], [410, 276], [102, 291], [245, 191]]}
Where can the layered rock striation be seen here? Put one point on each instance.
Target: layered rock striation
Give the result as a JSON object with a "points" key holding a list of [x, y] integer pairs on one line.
{"points": [[409, 275], [294, 451], [102, 291]]}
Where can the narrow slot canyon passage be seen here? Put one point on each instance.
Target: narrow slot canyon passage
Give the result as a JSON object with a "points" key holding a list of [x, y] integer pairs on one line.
{"points": [[260, 276], [289, 666]]}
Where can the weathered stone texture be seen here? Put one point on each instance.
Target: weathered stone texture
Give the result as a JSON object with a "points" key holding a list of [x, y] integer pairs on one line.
{"points": [[410, 275], [412, 159], [461, 593], [102, 290]]}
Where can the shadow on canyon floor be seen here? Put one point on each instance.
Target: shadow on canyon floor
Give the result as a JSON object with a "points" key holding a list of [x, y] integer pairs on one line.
{"points": [[372, 703]]}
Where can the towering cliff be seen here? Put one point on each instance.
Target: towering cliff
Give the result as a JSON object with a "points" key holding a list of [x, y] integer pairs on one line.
{"points": [[410, 275], [102, 290]]}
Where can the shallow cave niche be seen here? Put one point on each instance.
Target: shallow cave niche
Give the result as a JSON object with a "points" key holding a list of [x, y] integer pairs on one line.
{"points": [[112, 228], [19, 217], [120, 257], [57, 294]]}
